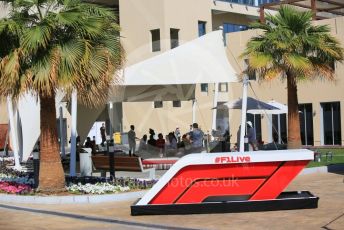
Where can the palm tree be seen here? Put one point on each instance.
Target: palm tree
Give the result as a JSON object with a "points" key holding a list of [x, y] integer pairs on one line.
{"points": [[291, 47], [57, 45]]}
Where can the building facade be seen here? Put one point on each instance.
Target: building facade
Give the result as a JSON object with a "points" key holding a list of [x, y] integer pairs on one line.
{"points": [[320, 113], [151, 27]]}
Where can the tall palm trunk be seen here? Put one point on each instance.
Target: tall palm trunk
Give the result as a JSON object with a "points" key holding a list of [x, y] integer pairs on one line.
{"points": [[294, 136], [51, 174]]}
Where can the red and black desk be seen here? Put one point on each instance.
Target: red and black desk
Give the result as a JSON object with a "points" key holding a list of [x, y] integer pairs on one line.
{"points": [[229, 182]]}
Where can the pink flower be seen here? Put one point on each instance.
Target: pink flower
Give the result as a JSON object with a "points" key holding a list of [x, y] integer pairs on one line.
{"points": [[14, 188]]}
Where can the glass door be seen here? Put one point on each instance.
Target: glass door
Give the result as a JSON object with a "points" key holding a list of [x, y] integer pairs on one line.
{"points": [[331, 123], [306, 124]]}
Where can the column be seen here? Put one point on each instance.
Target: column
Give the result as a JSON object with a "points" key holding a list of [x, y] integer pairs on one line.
{"points": [[73, 134], [216, 96], [243, 113], [194, 106], [62, 137]]}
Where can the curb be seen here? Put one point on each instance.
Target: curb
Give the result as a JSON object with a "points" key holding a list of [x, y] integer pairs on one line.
{"points": [[323, 169], [77, 199]]}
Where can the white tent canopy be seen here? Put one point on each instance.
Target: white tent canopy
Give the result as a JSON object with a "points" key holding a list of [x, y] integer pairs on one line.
{"points": [[28, 122], [173, 74], [143, 93], [202, 60]]}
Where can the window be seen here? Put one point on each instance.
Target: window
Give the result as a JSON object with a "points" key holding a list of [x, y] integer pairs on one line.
{"points": [[260, 2], [306, 124], [331, 123], [158, 104], [174, 35], [223, 87], [177, 104], [279, 128], [201, 28], [204, 87], [245, 2], [155, 40]]}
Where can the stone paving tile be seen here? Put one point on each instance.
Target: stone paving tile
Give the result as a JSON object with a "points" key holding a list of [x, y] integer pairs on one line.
{"points": [[329, 187], [14, 220]]}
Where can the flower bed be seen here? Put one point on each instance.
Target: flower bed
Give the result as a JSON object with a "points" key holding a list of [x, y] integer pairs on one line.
{"points": [[22, 183], [14, 188], [105, 186], [20, 180], [99, 188]]}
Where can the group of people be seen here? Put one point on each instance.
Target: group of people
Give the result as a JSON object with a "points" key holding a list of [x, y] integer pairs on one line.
{"points": [[91, 143], [191, 141]]}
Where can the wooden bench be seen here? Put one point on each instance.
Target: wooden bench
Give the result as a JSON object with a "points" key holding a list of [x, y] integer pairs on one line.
{"points": [[121, 163]]}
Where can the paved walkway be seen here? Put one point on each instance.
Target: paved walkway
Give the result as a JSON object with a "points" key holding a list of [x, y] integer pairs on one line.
{"points": [[330, 214]]}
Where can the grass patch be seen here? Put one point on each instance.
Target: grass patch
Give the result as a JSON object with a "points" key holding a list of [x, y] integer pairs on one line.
{"points": [[337, 158]]}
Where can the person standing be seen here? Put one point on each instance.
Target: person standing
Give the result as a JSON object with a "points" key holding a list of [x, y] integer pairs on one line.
{"points": [[197, 136], [177, 134], [88, 143], [132, 140], [160, 143], [251, 135], [103, 134]]}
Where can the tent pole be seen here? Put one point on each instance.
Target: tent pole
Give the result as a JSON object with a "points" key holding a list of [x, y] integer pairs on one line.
{"points": [[216, 96], [73, 134], [194, 105], [62, 138], [243, 114], [254, 121], [269, 116], [279, 129], [112, 120], [14, 139]]}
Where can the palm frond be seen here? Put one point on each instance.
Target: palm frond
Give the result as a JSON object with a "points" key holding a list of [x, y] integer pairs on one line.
{"points": [[297, 63], [259, 60], [291, 44], [64, 44]]}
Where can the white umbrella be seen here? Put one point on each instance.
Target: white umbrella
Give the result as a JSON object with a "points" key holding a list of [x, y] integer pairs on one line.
{"points": [[281, 109]]}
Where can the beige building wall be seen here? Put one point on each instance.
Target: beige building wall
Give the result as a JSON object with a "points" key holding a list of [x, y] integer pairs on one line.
{"points": [[3, 108], [3, 113]]}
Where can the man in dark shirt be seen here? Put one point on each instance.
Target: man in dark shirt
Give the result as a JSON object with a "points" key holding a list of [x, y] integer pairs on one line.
{"points": [[103, 134], [132, 140]]}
